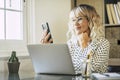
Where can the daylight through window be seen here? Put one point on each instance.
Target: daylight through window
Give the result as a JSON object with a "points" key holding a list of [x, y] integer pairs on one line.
{"points": [[11, 19]]}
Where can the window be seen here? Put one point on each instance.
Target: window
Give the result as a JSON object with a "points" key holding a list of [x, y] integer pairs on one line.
{"points": [[11, 19], [13, 29]]}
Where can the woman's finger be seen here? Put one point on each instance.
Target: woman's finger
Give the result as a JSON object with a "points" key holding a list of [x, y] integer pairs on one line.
{"points": [[51, 40], [44, 34], [47, 37]]}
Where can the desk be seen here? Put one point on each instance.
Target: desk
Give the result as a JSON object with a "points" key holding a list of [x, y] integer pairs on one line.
{"points": [[23, 75], [26, 72], [31, 76]]}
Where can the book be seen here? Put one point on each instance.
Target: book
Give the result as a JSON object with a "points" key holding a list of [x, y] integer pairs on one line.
{"points": [[118, 4], [116, 13], [113, 14], [118, 8], [105, 76], [109, 14]]}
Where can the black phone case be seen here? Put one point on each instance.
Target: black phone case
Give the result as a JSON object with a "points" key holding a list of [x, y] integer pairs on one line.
{"points": [[46, 26]]}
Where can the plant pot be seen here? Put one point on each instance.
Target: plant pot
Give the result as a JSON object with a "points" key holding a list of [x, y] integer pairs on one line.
{"points": [[13, 76], [13, 67]]}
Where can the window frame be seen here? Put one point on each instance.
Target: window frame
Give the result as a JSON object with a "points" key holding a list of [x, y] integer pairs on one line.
{"points": [[5, 8], [20, 45]]}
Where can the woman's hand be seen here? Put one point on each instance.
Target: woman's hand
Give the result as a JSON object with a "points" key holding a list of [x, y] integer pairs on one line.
{"points": [[45, 37], [83, 40]]}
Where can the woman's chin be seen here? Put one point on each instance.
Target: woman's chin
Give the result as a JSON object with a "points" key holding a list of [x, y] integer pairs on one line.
{"points": [[78, 33]]}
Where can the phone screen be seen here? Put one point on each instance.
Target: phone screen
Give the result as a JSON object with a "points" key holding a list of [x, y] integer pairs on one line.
{"points": [[46, 27]]}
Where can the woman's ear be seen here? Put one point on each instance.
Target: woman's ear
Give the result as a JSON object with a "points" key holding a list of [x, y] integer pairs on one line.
{"points": [[88, 19], [94, 18]]}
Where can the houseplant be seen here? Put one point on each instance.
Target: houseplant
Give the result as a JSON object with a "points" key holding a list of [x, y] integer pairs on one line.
{"points": [[13, 63]]}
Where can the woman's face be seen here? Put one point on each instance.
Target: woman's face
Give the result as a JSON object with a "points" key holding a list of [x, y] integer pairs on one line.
{"points": [[81, 25]]}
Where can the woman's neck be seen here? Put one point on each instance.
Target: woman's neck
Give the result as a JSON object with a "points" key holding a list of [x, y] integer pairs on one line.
{"points": [[88, 32]]}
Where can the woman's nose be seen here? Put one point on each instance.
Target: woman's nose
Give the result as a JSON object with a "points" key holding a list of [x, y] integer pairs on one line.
{"points": [[76, 23]]}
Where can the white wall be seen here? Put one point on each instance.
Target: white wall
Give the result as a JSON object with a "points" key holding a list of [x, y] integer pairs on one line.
{"points": [[56, 13]]}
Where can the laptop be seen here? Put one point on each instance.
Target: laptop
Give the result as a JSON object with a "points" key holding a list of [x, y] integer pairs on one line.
{"points": [[51, 59]]}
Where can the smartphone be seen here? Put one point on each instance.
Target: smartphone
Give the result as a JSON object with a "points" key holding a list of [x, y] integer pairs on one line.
{"points": [[46, 27]]}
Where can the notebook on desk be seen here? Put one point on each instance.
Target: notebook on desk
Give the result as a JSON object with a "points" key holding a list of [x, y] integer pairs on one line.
{"points": [[51, 59], [105, 76]]}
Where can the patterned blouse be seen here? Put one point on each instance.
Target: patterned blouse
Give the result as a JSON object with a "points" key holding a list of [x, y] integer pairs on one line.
{"points": [[100, 54]]}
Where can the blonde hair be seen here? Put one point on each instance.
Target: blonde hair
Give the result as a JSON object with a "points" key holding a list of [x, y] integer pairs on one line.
{"points": [[96, 28]]}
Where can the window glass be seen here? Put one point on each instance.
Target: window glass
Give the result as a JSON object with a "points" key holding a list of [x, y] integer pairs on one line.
{"points": [[13, 25], [1, 24], [1, 3], [14, 4]]}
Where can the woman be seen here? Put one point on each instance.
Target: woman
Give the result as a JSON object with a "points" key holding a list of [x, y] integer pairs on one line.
{"points": [[86, 36]]}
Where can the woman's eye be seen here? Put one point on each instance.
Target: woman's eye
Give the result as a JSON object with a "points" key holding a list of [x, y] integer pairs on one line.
{"points": [[73, 20], [79, 19]]}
